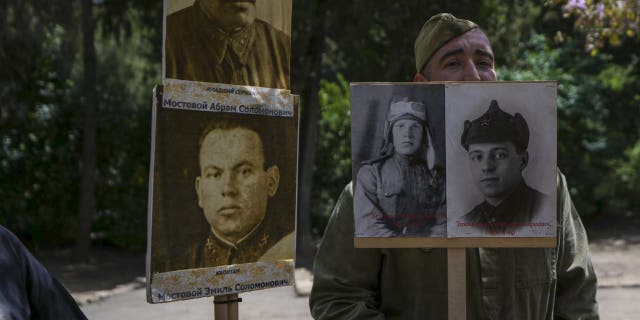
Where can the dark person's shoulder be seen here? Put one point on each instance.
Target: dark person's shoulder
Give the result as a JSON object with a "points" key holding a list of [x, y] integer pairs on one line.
{"points": [[5, 234], [8, 241]]}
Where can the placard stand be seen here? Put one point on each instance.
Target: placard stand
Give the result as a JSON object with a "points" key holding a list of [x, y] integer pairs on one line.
{"points": [[225, 307], [457, 283], [456, 258]]}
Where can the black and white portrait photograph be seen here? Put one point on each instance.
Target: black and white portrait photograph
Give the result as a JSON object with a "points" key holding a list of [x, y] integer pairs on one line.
{"points": [[228, 41], [224, 189], [501, 159], [398, 160]]}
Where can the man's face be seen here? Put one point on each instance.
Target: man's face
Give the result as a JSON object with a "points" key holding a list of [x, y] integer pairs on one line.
{"points": [[233, 187], [496, 168], [230, 15], [468, 57], [407, 136]]}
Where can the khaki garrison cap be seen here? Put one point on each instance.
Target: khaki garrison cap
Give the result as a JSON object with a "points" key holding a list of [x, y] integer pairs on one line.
{"points": [[435, 33]]}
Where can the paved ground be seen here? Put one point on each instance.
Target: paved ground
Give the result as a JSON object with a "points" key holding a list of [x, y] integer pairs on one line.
{"points": [[283, 303], [619, 303], [616, 261], [273, 304], [111, 284]]}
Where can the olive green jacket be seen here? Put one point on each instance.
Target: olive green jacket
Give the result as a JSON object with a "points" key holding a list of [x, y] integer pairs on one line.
{"points": [[556, 283]]}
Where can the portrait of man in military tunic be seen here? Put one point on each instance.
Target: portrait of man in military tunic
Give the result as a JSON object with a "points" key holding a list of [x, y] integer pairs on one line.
{"points": [[237, 179], [229, 41], [399, 191], [496, 154], [226, 195]]}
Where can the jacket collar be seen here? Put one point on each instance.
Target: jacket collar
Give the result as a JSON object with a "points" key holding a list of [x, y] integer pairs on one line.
{"points": [[504, 212], [240, 42]]}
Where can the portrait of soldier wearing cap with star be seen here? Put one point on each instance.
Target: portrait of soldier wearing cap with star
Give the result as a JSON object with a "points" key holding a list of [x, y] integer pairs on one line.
{"points": [[496, 145]]}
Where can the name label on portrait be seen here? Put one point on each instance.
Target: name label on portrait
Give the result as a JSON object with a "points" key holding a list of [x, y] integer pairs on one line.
{"points": [[215, 97]]}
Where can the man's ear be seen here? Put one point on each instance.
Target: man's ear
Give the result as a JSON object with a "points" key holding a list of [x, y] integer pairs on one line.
{"points": [[524, 160], [198, 191], [419, 77], [273, 180]]}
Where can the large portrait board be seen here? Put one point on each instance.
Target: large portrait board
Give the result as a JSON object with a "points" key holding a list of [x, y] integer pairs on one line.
{"points": [[448, 160], [232, 42], [222, 190]]}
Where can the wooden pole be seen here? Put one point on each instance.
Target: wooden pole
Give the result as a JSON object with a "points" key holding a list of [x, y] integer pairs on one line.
{"points": [[457, 283], [225, 307]]}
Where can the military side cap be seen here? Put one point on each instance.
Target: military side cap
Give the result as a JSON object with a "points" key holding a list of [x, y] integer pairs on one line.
{"points": [[496, 125], [406, 109], [435, 33]]}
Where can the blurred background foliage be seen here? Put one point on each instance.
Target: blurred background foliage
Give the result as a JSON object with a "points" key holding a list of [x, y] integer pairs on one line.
{"points": [[590, 47]]}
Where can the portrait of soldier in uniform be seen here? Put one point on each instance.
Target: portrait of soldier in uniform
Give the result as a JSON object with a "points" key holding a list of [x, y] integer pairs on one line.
{"points": [[222, 41], [238, 179], [496, 145], [397, 194]]}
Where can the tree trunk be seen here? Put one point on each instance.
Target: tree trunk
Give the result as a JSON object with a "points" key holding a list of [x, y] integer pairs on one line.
{"points": [[310, 71], [86, 206]]}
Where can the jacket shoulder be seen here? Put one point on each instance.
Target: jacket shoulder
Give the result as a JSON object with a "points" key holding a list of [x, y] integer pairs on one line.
{"points": [[180, 23], [267, 28]]}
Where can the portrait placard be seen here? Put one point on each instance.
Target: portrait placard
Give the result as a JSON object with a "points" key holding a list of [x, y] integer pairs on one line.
{"points": [[222, 190], [233, 42], [451, 160]]}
